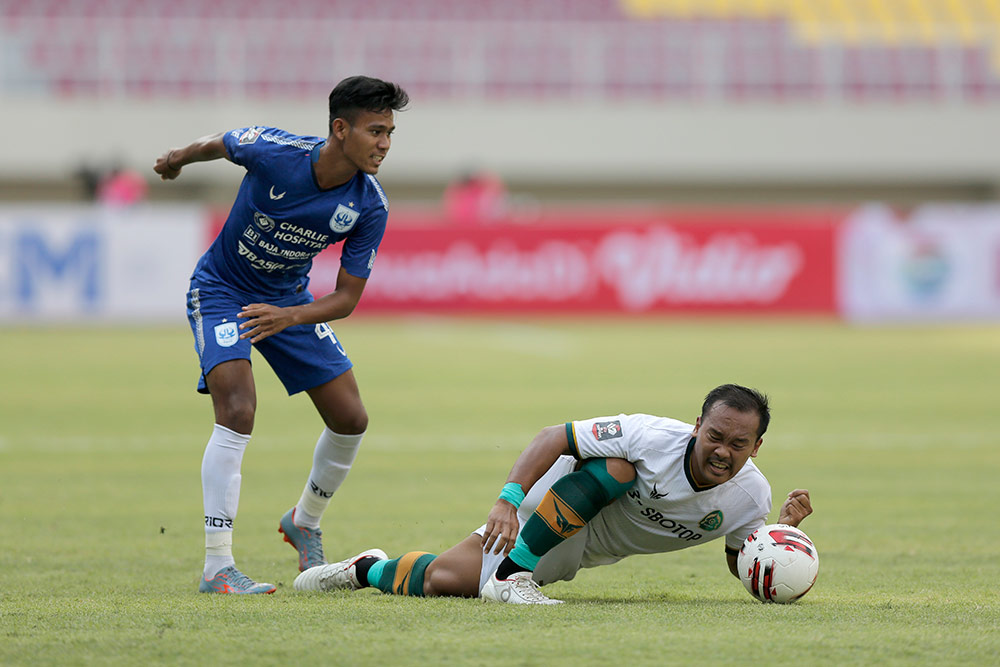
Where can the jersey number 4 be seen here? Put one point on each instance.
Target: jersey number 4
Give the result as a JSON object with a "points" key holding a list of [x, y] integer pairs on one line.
{"points": [[323, 330]]}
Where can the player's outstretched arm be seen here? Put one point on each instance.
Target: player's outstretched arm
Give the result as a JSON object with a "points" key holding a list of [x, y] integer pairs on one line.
{"points": [[795, 508], [169, 165], [538, 457]]}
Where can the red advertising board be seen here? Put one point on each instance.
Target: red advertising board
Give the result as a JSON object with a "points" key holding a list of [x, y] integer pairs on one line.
{"points": [[621, 261]]}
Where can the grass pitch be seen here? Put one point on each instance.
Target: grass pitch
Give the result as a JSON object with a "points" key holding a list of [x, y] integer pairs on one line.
{"points": [[894, 431]]}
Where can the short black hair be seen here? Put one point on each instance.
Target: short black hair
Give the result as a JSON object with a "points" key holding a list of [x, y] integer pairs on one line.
{"points": [[364, 93], [742, 399]]}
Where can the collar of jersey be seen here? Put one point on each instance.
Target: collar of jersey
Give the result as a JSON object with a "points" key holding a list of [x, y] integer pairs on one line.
{"points": [[687, 469], [313, 159]]}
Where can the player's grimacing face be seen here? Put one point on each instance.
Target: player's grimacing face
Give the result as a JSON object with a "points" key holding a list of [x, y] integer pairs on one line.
{"points": [[368, 139], [724, 441]]}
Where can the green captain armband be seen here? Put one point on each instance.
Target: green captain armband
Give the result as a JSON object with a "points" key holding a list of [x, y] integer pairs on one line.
{"points": [[512, 493]]}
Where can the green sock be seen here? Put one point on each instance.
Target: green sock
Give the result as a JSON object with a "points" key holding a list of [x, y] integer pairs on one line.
{"points": [[403, 575], [565, 509]]}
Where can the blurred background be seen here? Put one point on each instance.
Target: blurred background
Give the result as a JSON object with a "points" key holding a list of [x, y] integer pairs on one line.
{"points": [[832, 157]]}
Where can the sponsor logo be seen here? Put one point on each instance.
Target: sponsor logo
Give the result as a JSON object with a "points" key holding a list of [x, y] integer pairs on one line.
{"points": [[264, 222], [607, 430], [251, 234], [274, 196], [558, 516], [554, 272], [663, 266], [318, 491], [671, 525], [226, 334], [656, 495], [637, 270], [218, 522], [262, 264], [926, 268], [250, 135], [564, 525], [40, 267], [343, 219], [711, 521]]}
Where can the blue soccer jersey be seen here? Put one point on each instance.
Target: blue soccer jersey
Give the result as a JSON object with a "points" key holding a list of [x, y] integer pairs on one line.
{"points": [[281, 218]]}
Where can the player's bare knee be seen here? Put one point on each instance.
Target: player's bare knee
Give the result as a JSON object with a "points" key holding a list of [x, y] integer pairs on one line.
{"points": [[443, 580], [434, 581], [621, 470], [235, 414], [354, 423]]}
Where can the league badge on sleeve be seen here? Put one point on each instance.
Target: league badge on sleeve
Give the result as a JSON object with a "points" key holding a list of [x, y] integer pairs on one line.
{"points": [[250, 135], [607, 430], [343, 219]]}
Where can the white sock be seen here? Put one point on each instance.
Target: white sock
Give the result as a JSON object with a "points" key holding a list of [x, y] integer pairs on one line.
{"points": [[218, 552], [220, 486], [331, 462]]}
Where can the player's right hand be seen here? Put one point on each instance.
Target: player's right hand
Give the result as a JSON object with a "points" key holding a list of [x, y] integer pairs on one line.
{"points": [[796, 507], [163, 168], [501, 528]]}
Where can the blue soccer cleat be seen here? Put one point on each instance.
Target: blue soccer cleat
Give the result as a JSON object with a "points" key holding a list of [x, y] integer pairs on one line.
{"points": [[231, 580], [308, 542]]}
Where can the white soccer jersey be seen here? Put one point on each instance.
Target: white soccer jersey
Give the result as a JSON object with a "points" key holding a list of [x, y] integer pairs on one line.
{"points": [[666, 509]]}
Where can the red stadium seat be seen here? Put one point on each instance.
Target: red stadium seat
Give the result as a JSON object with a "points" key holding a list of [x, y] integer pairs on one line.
{"points": [[646, 49]]}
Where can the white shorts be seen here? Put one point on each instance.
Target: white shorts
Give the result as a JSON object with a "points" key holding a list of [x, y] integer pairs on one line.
{"points": [[563, 561]]}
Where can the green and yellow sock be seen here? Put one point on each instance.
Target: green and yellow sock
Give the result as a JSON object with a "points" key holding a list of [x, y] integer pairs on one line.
{"points": [[401, 576], [565, 509]]}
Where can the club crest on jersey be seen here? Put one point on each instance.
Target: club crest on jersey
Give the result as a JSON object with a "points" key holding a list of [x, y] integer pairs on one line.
{"points": [[226, 334], [607, 430], [263, 221], [711, 521], [250, 135], [343, 219]]}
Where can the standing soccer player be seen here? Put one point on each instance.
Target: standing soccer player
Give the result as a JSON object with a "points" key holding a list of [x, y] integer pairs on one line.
{"points": [[300, 195]]}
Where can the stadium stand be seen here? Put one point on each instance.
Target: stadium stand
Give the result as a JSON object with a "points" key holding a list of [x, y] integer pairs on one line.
{"points": [[826, 50]]}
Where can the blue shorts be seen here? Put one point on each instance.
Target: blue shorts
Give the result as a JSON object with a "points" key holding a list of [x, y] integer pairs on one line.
{"points": [[303, 356]]}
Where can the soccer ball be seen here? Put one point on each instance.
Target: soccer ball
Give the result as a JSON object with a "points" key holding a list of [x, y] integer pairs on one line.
{"points": [[778, 563]]}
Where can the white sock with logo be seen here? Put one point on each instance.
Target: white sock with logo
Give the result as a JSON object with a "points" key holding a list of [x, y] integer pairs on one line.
{"points": [[332, 461], [220, 486]]}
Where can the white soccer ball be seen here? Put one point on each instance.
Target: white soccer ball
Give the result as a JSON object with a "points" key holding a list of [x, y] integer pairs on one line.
{"points": [[778, 563]]}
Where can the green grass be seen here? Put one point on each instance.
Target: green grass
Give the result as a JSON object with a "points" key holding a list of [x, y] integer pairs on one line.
{"points": [[894, 431]]}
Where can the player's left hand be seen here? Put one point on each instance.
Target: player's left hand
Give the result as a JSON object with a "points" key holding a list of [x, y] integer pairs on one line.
{"points": [[501, 528], [795, 508], [263, 320]]}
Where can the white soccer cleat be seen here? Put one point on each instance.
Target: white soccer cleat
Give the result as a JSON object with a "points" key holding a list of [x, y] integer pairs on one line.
{"points": [[335, 576], [520, 588]]}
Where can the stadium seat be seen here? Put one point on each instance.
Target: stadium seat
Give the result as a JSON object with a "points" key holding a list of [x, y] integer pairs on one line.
{"points": [[652, 49]]}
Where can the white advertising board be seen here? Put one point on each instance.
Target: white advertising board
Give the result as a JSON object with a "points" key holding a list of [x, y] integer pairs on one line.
{"points": [[933, 263], [94, 263]]}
